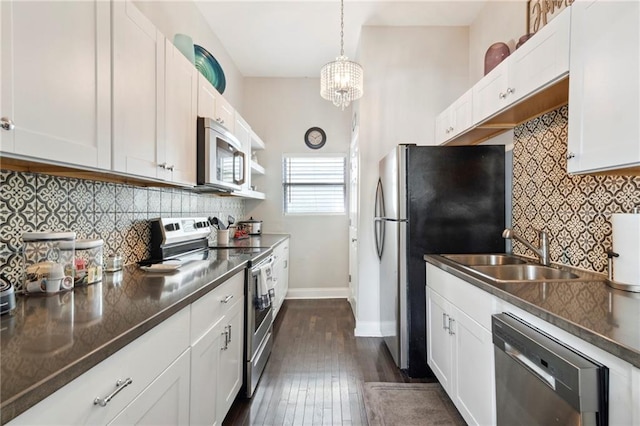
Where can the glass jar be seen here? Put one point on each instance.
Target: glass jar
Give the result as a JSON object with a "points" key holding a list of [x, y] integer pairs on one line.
{"points": [[88, 261], [47, 268]]}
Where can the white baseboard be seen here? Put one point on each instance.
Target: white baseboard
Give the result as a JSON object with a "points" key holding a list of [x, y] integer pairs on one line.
{"points": [[367, 329], [318, 293]]}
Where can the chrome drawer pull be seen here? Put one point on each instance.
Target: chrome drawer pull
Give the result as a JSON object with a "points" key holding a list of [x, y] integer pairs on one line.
{"points": [[120, 384], [451, 321], [444, 321], [226, 299], [229, 333]]}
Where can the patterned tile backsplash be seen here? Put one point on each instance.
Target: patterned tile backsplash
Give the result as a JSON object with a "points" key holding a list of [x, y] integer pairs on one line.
{"points": [[574, 210], [116, 213]]}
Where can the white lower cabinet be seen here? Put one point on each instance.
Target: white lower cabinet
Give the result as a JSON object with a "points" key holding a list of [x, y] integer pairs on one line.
{"points": [[164, 402], [186, 370], [231, 359], [151, 362], [217, 351], [280, 274], [205, 355], [460, 350], [460, 353]]}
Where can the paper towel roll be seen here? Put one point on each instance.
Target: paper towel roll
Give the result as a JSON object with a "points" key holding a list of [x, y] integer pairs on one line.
{"points": [[626, 242]]}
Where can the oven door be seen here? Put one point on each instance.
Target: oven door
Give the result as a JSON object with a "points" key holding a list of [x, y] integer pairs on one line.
{"points": [[260, 318]]}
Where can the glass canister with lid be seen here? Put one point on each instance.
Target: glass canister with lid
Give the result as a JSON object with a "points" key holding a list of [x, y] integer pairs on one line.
{"points": [[87, 262], [47, 267]]}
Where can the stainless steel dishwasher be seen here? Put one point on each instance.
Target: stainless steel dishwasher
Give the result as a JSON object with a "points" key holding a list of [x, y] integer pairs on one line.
{"points": [[541, 381]]}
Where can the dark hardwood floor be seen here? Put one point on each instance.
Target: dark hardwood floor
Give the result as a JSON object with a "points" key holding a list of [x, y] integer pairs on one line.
{"points": [[316, 371]]}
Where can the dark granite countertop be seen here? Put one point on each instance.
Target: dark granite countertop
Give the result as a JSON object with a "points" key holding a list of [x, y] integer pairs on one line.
{"points": [[50, 340], [589, 308]]}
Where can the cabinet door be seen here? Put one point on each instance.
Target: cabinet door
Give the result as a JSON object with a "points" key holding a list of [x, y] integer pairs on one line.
{"points": [[207, 95], [225, 114], [438, 338], [138, 94], [443, 126], [489, 94], [603, 89], [164, 402], [181, 114], [461, 114], [541, 60], [56, 82], [231, 361], [205, 356], [473, 365]]}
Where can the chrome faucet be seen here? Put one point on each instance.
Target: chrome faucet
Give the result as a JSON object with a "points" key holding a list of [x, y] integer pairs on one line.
{"points": [[542, 252]]}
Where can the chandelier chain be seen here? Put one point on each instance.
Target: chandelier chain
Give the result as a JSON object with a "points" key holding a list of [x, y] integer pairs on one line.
{"points": [[341, 27]]}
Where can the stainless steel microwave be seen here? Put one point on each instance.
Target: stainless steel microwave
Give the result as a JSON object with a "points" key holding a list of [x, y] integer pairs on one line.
{"points": [[221, 163]]}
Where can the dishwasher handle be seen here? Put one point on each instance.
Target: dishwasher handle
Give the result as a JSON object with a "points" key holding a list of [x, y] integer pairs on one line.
{"points": [[526, 363]]}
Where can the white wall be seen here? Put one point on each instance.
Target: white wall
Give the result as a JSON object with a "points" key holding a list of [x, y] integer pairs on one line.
{"points": [[499, 21], [411, 75], [280, 111], [172, 17]]}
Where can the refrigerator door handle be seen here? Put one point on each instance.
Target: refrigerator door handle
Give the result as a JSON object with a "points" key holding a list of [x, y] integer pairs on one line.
{"points": [[390, 219], [378, 224]]}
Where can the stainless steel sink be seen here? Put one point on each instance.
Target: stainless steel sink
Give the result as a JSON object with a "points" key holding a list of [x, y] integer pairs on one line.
{"points": [[484, 259], [525, 273]]}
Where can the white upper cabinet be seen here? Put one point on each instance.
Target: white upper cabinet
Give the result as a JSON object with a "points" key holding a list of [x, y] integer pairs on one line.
{"points": [[56, 81], [489, 94], [455, 119], [542, 60], [212, 104], [138, 94], [181, 114], [604, 101]]}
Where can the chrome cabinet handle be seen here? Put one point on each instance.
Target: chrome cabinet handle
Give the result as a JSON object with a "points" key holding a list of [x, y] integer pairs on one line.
{"points": [[226, 339], [171, 167], [451, 321], [163, 165], [502, 95], [120, 384], [445, 323], [229, 333], [570, 155], [286, 263], [6, 123], [510, 90], [226, 299]]}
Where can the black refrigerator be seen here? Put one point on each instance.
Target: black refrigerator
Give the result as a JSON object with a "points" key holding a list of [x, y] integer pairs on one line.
{"points": [[431, 200]]}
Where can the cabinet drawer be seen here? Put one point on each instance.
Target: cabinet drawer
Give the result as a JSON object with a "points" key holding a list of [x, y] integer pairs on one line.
{"points": [[142, 360], [211, 307], [477, 304]]}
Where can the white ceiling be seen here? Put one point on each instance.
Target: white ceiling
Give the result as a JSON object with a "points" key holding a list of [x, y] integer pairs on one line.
{"points": [[295, 38]]}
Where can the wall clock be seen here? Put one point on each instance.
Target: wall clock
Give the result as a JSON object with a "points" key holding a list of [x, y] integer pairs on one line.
{"points": [[315, 138]]}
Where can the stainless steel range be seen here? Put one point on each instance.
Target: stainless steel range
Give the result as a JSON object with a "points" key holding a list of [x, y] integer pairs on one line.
{"points": [[259, 322]]}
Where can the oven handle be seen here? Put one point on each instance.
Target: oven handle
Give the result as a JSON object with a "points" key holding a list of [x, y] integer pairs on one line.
{"points": [[529, 365]]}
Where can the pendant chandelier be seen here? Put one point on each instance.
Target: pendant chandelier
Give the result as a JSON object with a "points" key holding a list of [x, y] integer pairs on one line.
{"points": [[341, 81]]}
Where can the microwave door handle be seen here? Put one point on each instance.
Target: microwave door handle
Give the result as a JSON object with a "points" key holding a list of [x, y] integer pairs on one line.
{"points": [[239, 156]]}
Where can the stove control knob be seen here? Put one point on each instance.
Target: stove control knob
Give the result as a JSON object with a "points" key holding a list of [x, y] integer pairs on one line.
{"points": [[172, 226]]}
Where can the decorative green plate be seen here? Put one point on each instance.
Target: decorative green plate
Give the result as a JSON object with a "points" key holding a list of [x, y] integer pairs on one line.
{"points": [[210, 68]]}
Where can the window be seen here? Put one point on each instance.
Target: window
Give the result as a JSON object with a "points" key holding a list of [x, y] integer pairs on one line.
{"points": [[314, 185]]}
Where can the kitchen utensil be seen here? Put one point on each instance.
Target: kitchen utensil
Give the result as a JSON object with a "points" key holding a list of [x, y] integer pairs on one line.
{"points": [[231, 220], [252, 226], [214, 222]]}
